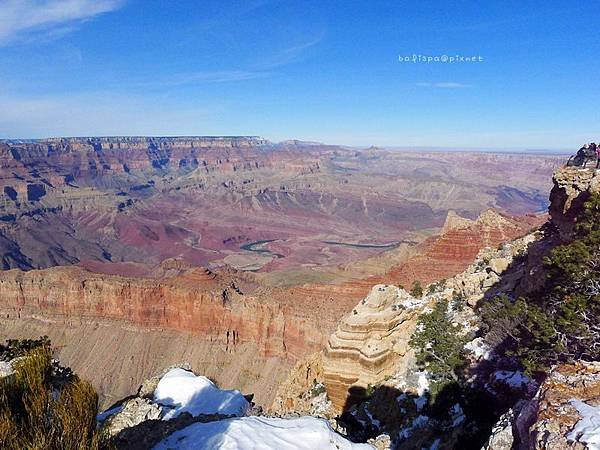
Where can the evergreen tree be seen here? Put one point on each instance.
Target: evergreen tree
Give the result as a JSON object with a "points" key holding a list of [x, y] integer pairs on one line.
{"points": [[439, 347], [559, 323]]}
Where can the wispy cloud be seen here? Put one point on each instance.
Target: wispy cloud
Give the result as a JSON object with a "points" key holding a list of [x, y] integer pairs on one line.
{"points": [[21, 18], [292, 53], [218, 76], [445, 85]]}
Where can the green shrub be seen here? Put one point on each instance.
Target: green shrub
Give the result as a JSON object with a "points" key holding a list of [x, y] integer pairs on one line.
{"points": [[559, 322], [458, 301], [416, 290]]}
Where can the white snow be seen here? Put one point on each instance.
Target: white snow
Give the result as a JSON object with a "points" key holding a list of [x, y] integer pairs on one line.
{"points": [[254, 433], [436, 444], [457, 414], [423, 383], [479, 348], [420, 402], [514, 379], [411, 303], [373, 420], [418, 422], [587, 430], [181, 391]]}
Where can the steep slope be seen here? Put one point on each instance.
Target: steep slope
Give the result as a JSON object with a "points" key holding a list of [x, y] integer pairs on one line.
{"points": [[114, 329]]}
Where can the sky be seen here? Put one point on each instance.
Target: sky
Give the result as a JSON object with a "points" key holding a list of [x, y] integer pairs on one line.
{"points": [[526, 74]]}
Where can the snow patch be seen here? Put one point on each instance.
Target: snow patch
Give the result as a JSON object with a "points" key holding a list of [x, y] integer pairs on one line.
{"points": [[253, 433], [181, 391], [412, 303], [420, 421], [423, 383], [587, 430], [420, 402], [436, 444], [376, 423], [457, 414], [514, 379], [479, 348]]}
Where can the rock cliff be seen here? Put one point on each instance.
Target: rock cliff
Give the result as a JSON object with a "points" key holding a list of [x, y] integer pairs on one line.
{"points": [[572, 187], [459, 243], [370, 346], [563, 414], [197, 301]]}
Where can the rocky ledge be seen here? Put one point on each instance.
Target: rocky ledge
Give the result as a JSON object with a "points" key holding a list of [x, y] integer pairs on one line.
{"points": [[564, 414], [181, 410]]}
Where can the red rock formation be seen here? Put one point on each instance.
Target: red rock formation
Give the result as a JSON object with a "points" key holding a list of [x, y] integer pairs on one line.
{"points": [[198, 302], [461, 239]]}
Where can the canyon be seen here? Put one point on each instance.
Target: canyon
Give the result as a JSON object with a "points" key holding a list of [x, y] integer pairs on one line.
{"points": [[124, 204], [233, 254]]}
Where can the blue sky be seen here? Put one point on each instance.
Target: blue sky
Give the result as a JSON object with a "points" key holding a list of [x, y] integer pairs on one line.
{"points": [[313, 70]]}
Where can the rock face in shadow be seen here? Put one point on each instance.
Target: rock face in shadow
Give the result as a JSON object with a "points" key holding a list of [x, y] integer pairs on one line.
{"points": [[572, 187], [555, 418]]}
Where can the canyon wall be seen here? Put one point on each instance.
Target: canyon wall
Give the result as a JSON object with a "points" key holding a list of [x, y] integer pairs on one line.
{"points": [[459, 243], [197, 302]]}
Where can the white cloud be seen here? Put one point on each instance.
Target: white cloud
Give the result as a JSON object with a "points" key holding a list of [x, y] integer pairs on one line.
{"points": [[21, 17], [445, 85]]}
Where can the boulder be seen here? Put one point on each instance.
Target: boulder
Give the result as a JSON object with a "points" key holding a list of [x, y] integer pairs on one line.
{"points": [[134, 412]]}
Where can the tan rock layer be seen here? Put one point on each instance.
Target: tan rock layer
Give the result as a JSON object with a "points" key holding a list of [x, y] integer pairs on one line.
{"points": [[368, 343]]}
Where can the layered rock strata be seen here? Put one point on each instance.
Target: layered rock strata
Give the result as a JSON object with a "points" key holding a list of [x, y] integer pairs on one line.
{"points": [[459, 243], [369, 343], [197, 302]]}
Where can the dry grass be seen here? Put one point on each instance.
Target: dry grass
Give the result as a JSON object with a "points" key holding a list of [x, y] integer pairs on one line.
{"points": [[36, 416]]}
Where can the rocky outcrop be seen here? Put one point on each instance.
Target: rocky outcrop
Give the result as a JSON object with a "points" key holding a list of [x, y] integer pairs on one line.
{"points": [[489, 271], [459, 243], [369, 343], [564, 414], [305, 377], [572, 187], [131, 413]]}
